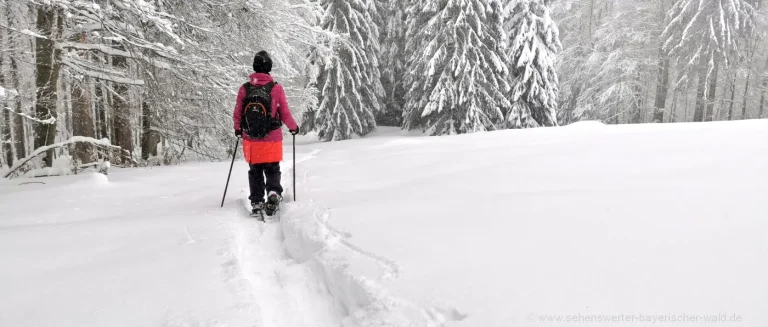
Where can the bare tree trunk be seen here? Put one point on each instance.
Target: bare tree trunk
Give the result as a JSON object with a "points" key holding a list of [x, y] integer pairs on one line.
{"points": [[122, 111], [687, 103], [636, 114], [19, 150], [101, 111], [82, 118], [568, 116], [82, 121], [148, 137], [65, 113], [711, 93], [591, 17], [763, 99], [7, 139], [744, 101], [662, 87], [47, 75], [698, 113], [732, 85], [672, 113], [613, 119]]}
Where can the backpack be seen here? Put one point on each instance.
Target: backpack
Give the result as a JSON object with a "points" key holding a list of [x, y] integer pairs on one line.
{"points": [[257, 121]]}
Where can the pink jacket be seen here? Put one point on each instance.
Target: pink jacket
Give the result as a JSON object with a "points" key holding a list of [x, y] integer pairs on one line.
{"points": [[279, 102]]}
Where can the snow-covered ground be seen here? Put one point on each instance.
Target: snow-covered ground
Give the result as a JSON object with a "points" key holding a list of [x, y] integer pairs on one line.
{"points": [[148, 247], [643, 225]]}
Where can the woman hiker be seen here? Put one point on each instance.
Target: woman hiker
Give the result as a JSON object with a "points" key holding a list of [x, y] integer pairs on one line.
{"points": [[260, 112]]}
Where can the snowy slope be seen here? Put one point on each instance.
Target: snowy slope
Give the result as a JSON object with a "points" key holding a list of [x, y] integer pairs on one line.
{"points": [[511, 228], [644, 224], [148, 247]]}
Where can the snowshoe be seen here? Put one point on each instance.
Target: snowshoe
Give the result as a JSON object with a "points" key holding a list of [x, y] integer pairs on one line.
{"points": [[273, 204], [257, 210]]}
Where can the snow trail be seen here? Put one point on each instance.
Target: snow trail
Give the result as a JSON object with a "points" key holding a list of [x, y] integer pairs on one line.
{"points": [[150, 247], [286, 292]]}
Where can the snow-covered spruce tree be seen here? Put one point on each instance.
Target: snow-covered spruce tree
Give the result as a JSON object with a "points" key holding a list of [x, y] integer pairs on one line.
{"points": [[456, 77], [531, 53], [348, 79], [701, 36], [392, 59]]}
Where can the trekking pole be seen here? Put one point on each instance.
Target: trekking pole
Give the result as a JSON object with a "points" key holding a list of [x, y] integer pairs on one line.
{"points": [[234, 154], [294, 167]]}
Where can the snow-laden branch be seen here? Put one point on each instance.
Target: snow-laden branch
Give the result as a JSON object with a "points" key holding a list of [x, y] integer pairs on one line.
{"points": [[49, 121], [24, 31], [100, 75], [113, 52], [75, 139]]}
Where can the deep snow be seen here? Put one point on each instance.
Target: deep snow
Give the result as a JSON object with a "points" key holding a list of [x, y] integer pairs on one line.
{"points": [[592, 222], [149, 247], [587, 222]]}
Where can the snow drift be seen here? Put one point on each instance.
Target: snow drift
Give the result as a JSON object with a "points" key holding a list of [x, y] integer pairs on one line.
{"points": [[642, 224]]}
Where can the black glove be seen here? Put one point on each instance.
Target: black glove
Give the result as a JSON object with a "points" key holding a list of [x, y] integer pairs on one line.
{"points": [[238, 133], [295, 131]]}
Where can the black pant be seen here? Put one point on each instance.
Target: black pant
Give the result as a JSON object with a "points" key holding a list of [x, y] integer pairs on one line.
{"points": [[256, 180]]}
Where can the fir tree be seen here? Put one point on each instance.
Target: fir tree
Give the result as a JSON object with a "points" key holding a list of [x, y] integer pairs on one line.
{"points": [[456, 76], [348, 79], [392, 59], [702, 35], [531, 55]]}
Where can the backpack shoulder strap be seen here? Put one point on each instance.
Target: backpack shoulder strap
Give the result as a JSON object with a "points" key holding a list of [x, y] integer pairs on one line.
{"points": [[245, 88], [270, 86]]}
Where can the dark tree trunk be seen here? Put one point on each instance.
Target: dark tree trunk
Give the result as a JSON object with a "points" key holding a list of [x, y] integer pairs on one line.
{"points": [[733, 95], [614, 115], [591, 17], [101, 111], [122, 111], [82, 120], [662, 87], [711, 93], [47, 75], [637, 111], [701, 102], [148, 137], [82, 114], [6, 139], [687, 103], [19, 139], [572, 103], [744, 102], [763, 99], [672, 113]]}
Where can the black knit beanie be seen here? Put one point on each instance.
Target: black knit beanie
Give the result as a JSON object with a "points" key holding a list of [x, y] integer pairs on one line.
{"points": [[262, 63]]}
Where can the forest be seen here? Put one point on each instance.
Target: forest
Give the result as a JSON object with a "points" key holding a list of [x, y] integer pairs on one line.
{"points": [[94, 83]]}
